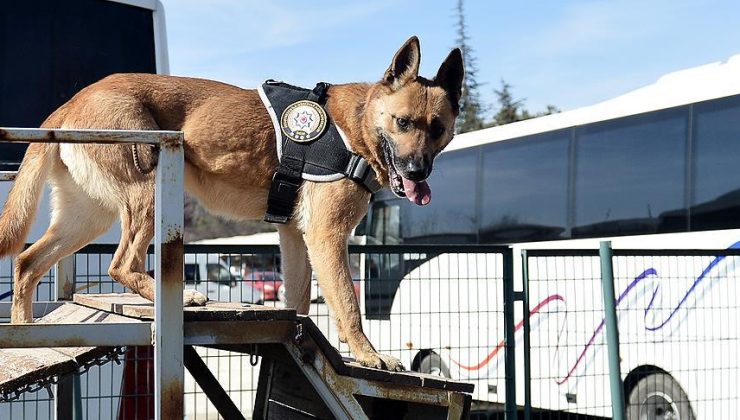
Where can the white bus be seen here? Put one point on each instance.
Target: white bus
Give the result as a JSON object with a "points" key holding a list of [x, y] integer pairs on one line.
{"points": [[654, 169]]}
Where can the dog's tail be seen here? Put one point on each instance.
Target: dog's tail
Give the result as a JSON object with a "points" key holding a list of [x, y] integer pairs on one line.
{"points": [[20, 208]]}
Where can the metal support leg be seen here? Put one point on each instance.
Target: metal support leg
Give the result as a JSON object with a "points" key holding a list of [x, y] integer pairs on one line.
{"points": [[527, 345], [209, 384], [612, 330], [64, 278], [509, 349], [168, 314]]}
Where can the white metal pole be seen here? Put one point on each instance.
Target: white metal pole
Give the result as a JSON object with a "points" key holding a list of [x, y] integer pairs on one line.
{"points": [[168, 314]]}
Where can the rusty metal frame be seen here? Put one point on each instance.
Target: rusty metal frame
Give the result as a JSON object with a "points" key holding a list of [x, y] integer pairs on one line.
{"points": [[168, 324], [64, 278], [64, 389], [168, 332], [46, 135], [75, 335], [210, 385], [208, 333], [338, 391], [169, 375]]}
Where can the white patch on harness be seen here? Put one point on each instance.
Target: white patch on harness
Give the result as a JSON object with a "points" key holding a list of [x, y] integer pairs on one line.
{"points": [[274, 119]]}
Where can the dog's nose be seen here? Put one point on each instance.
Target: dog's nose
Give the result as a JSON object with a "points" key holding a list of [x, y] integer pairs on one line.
{"points": [[415, 170]]}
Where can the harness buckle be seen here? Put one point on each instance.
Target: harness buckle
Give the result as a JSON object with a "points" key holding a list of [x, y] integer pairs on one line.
{"points": [[360, 171], [282, 197], [357, 168]]}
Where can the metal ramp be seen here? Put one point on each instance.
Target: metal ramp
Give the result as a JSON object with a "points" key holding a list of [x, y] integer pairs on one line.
{"points": [[301, 376]]}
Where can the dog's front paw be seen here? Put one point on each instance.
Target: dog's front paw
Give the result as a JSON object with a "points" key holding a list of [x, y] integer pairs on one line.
{"points": [[391, 363], [20, 319], [192, 297], [381, 361]]}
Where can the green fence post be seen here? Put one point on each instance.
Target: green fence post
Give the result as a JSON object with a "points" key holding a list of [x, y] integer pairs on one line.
{"points": [[509, 349], [527, 360], [612, 330]]}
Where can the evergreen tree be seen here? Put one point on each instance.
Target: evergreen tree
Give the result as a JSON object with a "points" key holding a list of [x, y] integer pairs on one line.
{"points": [[512, 110], [471, 108]]}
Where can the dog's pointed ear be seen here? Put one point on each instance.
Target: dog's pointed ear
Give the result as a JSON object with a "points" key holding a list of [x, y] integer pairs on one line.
{"points": [[450, 76], [405, 64]]}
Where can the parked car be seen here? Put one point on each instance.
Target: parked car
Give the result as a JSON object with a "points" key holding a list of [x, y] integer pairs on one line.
{"points": [[212, 277], [267, 281]]}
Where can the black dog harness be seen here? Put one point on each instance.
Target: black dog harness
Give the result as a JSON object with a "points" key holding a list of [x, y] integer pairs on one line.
{"points": [[310, 146]]}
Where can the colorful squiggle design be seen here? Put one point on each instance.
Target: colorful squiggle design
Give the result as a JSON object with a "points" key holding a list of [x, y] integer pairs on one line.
{"points": [[622, 296]]}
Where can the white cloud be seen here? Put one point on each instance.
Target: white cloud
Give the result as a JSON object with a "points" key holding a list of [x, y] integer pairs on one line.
{"points": [[588, 27], [217, 39], [201, 30]]}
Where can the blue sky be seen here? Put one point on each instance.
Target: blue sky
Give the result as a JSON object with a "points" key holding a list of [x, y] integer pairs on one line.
{"points": [[567, 53]]}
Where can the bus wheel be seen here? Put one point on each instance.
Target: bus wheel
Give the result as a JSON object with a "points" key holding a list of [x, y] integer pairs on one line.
{"points": [[432, 364], [658, 397]]}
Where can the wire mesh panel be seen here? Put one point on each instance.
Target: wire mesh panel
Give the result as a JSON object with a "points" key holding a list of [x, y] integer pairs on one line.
{"points": [[679, 337], [40, 403], [44, 291], [438, 309], [31, 405], [569, 369]]}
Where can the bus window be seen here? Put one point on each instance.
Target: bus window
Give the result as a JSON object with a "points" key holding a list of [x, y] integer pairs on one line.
{"points": [[525, 189], [385, 224], [451, 216], [383, 271], [716, 144], [630, 175]]}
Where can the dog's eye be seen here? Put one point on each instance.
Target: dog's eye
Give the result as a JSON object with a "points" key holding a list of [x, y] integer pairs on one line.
{"points": [[403, 123], [436, 129]]}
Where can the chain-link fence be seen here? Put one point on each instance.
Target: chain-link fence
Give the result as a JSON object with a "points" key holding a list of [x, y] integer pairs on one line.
{"points": [[438, 309], [679, 341]]}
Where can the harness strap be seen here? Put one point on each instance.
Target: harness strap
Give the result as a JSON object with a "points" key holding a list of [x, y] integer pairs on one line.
{"points": [[285, 184], [298, 159], [287, 181]]}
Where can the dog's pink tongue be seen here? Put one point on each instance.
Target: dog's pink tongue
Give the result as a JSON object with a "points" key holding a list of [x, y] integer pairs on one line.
{"points": [[417, 192]]}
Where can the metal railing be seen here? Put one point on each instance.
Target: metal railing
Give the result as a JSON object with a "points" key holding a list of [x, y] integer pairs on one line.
{"points": [[168, 274]]}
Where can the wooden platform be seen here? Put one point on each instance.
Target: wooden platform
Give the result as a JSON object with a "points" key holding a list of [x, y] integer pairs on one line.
{"points": [[135, 306], [302, 372]]}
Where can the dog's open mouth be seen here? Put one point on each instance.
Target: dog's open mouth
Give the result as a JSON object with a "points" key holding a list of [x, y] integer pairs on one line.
{"points": [[418, 193]]}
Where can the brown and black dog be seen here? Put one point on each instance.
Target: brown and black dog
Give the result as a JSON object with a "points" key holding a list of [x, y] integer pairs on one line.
{"points": [[398, 124]]}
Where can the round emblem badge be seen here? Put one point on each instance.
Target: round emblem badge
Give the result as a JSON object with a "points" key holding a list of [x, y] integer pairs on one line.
{"points": [[303, 121]]}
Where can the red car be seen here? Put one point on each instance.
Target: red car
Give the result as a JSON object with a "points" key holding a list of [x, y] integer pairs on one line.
{"points": [[267, 282]]}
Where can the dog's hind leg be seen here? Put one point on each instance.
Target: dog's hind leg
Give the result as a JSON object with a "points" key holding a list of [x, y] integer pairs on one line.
{"points": [[295, 268], [76, 220], [128, 266]]}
